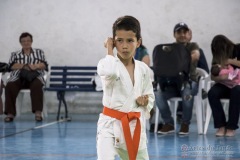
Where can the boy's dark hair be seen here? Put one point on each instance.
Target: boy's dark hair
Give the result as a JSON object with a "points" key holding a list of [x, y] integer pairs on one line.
{"points": [[215, 70], [25, 34], [127, 23]]}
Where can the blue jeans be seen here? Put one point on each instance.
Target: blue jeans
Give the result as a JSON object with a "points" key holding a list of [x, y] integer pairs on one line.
{"points": [[187, 94]]}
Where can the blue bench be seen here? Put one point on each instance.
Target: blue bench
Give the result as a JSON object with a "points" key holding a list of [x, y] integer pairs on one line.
{"points": [[64, 79]]}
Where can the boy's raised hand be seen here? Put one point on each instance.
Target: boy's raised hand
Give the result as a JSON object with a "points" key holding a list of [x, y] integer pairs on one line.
{"points": [[109, 44], [142, 100]]}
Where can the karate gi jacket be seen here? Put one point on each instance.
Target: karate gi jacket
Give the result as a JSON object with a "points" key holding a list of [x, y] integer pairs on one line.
{"points": [[120, 94]]}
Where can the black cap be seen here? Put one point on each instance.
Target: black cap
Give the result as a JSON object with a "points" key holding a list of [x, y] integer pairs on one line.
{"points": [[180, 26]]}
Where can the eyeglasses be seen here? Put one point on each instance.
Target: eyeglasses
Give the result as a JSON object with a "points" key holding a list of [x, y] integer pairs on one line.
{"points": [[26, 41]]}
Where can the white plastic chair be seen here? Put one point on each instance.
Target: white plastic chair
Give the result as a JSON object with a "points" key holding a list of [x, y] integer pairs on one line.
{"points": [[20, 99], [156, 119], [173, 103], [225, 103]]}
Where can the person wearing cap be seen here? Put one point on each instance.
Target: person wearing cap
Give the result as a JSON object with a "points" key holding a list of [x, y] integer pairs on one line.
{"points": [[202, 63], [181, 34]]}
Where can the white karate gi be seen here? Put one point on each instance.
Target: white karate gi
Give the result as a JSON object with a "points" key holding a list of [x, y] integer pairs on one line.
{"points": [[120, 94]]}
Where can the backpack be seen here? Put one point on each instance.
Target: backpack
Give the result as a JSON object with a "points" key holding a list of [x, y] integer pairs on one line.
{"points": [[171, 65]]}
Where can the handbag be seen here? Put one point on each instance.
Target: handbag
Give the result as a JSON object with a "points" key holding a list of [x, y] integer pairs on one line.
{"points": [[4, 67], [28, 74]]}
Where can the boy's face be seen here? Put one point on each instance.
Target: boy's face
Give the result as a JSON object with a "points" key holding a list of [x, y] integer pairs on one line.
{"points": [[126, 44]]}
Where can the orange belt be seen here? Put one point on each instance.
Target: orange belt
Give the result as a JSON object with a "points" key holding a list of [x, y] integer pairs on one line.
{"points": [[125, 118]]}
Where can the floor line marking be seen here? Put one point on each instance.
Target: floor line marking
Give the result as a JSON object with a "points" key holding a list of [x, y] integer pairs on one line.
{"points": [[30, 129], [48, 124]]}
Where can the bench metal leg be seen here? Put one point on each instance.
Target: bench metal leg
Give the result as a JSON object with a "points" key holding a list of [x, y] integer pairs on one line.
{"points": [[59, 106], [65, 104], [61, 98]]}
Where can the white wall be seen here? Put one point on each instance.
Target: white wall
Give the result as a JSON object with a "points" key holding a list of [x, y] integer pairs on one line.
{"points": [[65, 29], [69, 28]]}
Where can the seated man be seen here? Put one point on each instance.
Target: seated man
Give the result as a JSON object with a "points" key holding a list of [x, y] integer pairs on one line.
{"points": [[32, 63], [202, 63], [181, 32]]}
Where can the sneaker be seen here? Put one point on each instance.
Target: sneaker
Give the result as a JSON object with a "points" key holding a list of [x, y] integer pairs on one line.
{"points": [[220, 132], [152, 127], [184, 129], [166, 128]]}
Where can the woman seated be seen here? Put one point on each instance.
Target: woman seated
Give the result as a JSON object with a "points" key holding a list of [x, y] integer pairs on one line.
{"points": [[27, 70], [224, 52]]}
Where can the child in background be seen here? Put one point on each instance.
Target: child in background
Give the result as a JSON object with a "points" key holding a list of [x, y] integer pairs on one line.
{"points": [[230, 76], [142, 54]]}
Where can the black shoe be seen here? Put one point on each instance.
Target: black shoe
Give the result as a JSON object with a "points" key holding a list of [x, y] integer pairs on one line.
{"points": [[179, 118], [38, 118], [152, 126], [204, 94], [8, 119], [160, 125]]}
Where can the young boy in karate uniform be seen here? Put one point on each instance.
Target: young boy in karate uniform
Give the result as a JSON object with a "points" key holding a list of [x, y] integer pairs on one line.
{"points": [[127, 95]]}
